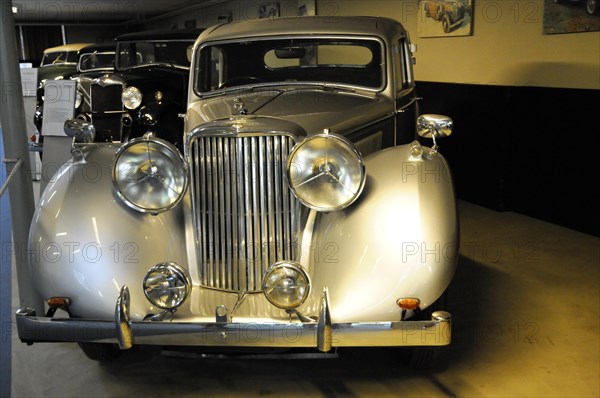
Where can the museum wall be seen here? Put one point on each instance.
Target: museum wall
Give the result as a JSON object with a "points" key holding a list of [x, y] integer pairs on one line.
{"points": [[507, 46], [522, 103]]}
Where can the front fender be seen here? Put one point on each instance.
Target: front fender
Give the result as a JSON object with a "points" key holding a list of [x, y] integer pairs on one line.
{"points": [[85, 243], [399, 240]]}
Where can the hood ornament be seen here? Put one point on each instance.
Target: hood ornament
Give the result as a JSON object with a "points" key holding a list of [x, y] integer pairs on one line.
{"points": [[238, 105]]}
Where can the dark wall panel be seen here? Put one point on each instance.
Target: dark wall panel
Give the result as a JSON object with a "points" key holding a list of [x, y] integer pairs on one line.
{"points": [[526, 149]]}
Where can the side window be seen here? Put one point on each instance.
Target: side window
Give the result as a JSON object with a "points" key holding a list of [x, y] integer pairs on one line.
{"points": [[402, 65]]}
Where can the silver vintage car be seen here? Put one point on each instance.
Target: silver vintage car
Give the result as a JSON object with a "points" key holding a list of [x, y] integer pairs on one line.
{"points": [[310, 208]]}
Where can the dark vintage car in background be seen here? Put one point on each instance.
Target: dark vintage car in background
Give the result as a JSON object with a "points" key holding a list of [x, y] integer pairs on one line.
{"points": [[93, 61], [148, 91], [59, 62], [451, 13], [303, 213]]}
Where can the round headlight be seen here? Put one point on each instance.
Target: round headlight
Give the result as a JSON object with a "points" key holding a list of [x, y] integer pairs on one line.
{"points": [[166, 285], [286, 285], [326, 172], [149, 175], [132, 97]]}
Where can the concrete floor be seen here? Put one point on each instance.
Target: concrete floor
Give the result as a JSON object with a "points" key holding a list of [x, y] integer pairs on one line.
{"points": [[525, 304]]}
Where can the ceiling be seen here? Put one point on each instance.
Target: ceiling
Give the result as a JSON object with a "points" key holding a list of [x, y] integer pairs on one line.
{"points": [[52, 12]]}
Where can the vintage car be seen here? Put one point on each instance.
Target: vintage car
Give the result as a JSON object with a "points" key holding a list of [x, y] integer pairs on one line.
{"points": [[57, 63], [148, 91], [303, 212], [451, 13], [592, 6], [93, 61], [60, 61]]}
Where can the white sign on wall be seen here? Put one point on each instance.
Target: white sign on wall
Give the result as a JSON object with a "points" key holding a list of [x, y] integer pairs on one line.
{"points": [[59, 105], [29, 81]]}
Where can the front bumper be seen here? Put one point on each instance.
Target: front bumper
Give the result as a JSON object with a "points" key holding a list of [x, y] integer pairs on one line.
{"points": [[321, 334]]}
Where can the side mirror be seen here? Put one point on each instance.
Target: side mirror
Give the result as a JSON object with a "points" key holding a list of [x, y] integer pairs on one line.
{"points": [[80, 130], [439, 126], [434, 126]]}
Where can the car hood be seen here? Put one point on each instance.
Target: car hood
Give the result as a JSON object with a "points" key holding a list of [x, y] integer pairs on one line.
{"points": [[312, 108]]}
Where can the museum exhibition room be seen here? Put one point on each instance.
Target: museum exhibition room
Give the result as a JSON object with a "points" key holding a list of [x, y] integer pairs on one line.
{"points": [[299, 198]]}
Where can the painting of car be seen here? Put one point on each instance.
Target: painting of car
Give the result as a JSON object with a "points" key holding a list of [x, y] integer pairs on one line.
{"points": [[450, 13], [310, 207], [591, 6]]}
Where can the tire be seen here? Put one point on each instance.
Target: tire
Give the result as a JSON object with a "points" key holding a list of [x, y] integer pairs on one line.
{"points": [[446, 23], [592, 7], [101, 352], [426, 10]]}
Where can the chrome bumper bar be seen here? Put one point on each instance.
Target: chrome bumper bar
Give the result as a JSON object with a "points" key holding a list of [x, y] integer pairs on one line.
{"points": [[322, 334]]}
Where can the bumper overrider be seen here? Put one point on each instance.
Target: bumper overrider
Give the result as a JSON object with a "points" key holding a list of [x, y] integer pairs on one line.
{"points": [[321, 334]]}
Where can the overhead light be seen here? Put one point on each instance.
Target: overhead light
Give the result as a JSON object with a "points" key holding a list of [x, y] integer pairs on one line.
{"points": [[15, 9]]}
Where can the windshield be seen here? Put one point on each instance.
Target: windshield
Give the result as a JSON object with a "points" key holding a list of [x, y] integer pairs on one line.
{"points": [[59, 57], [341, 61], [136, 54], [95, 61]]}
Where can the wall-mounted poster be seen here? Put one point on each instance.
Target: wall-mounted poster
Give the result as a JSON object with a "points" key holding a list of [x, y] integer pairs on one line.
{"points": [[269, 10], [445, 18], [570, 16]]}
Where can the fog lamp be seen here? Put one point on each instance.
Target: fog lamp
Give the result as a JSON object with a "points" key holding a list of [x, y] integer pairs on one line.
{"points": [[286, 285], [326, 172], [167, 286], [149, 175]]}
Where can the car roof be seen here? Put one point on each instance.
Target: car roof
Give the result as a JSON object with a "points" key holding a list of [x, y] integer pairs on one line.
{"points": [[104, 47], [67, 47], [355, 25], [164, 34]]}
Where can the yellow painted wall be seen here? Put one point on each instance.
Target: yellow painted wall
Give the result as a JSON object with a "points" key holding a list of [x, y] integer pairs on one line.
{"points": [[507, 46]]}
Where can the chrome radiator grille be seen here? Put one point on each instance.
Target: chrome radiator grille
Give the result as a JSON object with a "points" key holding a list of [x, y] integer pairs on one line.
{"points": [[245, 216]]}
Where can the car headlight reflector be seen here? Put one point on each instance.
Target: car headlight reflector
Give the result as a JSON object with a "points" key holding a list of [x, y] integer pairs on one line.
{"points": [[78, 99], [167, 285], [326, 172], [286, 285], [132, 97], [149, 175]]}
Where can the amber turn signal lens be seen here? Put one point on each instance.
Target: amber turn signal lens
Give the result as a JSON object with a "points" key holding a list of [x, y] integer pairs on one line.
{"points": [[408, 303], [59, 302]]}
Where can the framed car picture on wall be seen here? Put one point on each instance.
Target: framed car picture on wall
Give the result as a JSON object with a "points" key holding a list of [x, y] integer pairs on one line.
{"points": [[571, 16], [442, 18], [269, 10]]}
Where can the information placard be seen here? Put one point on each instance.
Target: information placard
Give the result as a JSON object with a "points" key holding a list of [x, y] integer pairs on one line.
{"points": [[59, 105]]}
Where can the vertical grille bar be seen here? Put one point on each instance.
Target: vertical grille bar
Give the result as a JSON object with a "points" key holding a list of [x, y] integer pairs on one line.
{"points": [[245, 216]]}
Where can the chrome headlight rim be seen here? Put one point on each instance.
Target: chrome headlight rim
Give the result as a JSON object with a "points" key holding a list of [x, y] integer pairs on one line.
{"points": [[350, 146], [295, 267], [162, 144], [174, 270], [131, 97]]}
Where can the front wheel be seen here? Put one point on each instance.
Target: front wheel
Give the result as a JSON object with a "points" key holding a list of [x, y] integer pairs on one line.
{"points": [[446, 24], [592, 7], [101, 352]]}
